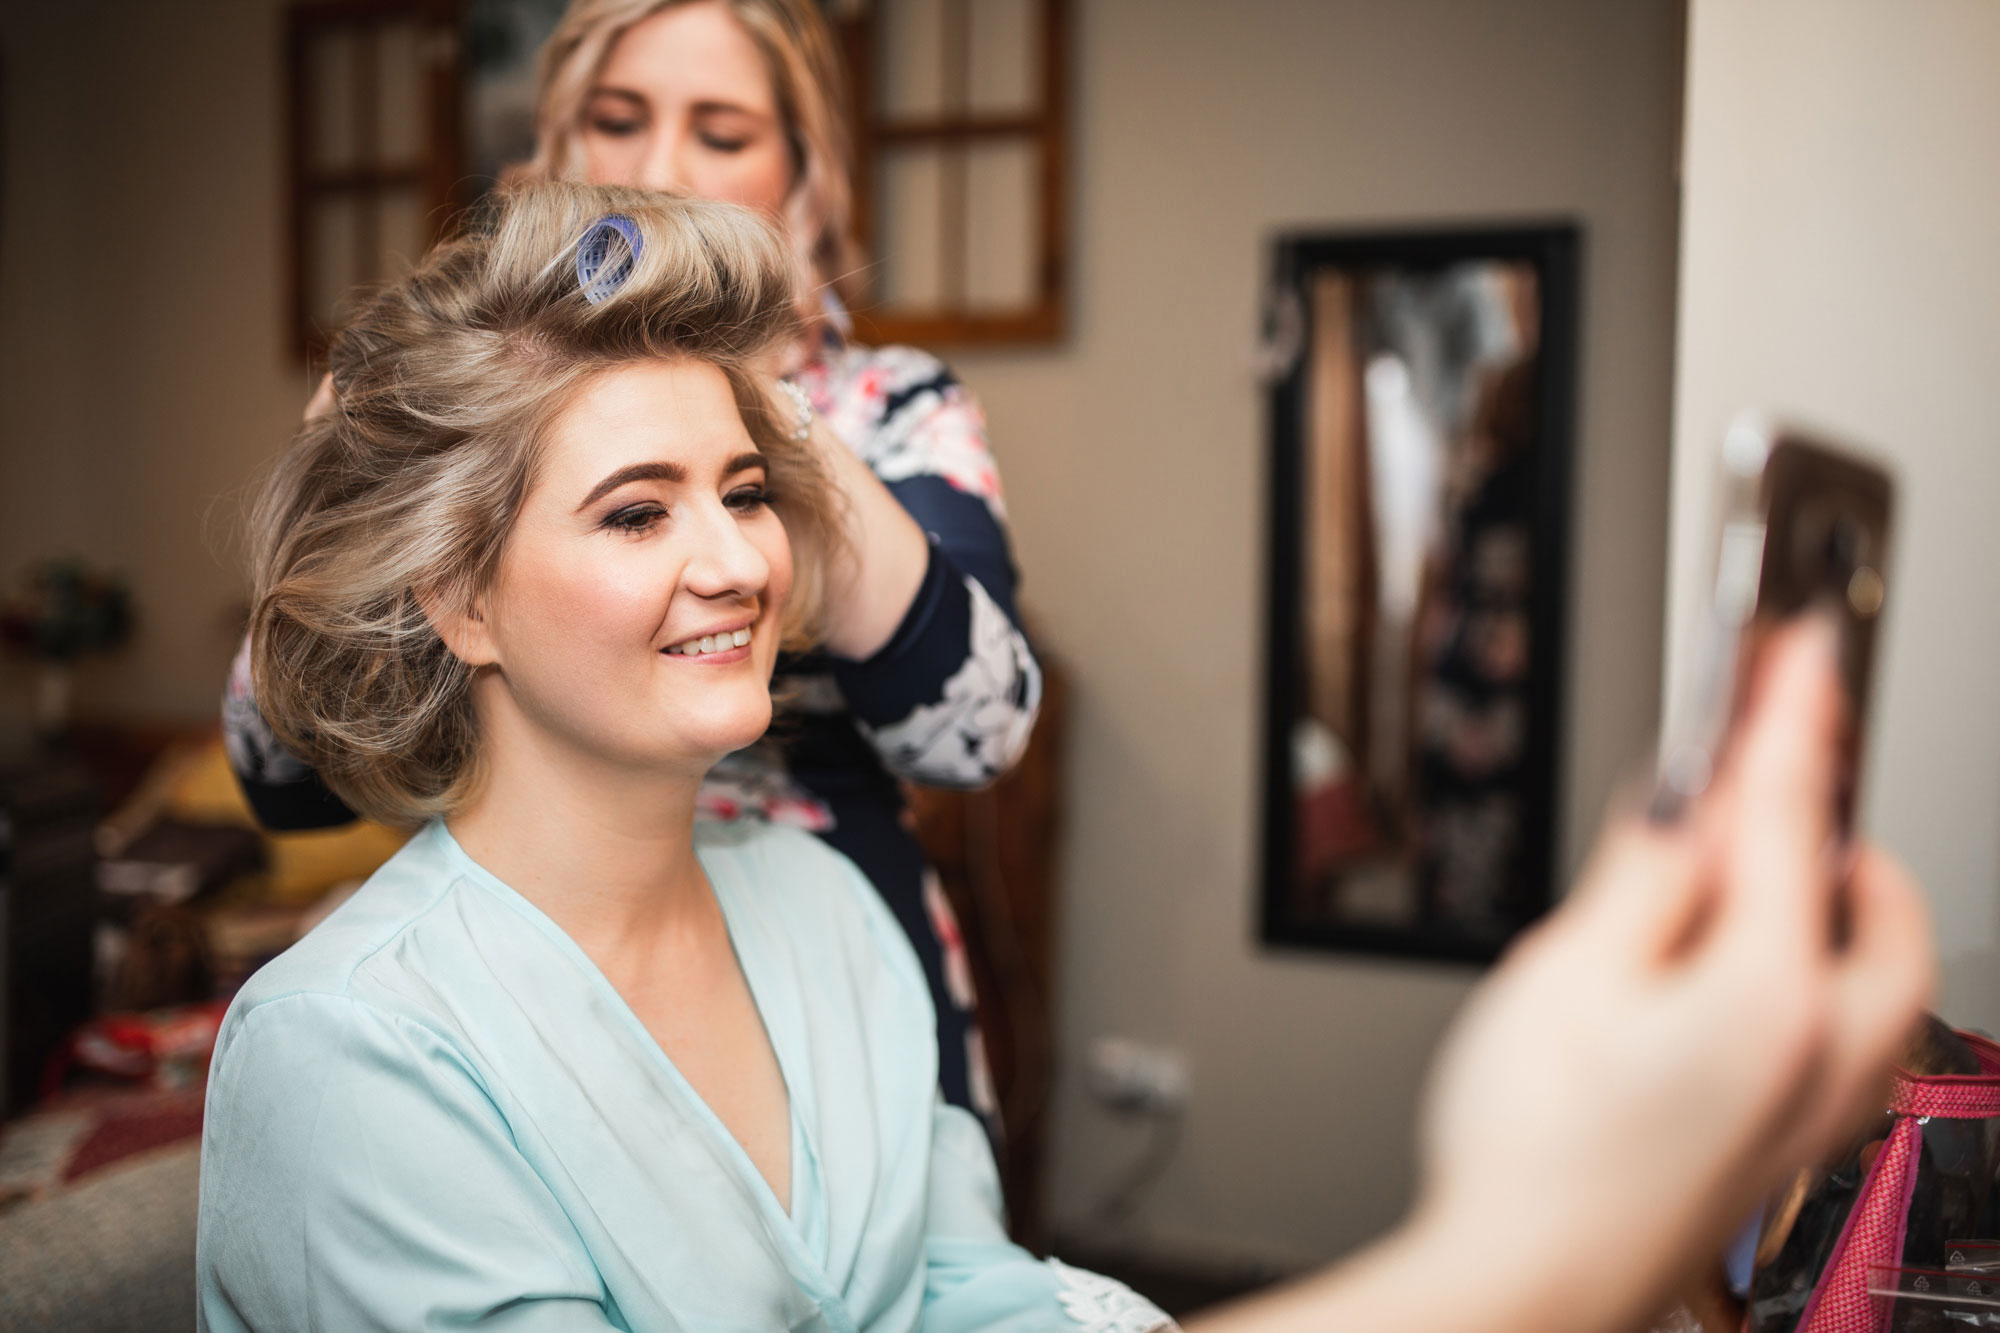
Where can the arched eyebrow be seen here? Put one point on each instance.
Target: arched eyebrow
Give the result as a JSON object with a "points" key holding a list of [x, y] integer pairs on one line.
{"points": [[713, 107], [622, 94], [671, 473], [707, 107]]}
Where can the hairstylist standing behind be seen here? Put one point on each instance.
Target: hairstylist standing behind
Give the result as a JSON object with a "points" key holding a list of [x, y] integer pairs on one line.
{"points": [[925, 674]]}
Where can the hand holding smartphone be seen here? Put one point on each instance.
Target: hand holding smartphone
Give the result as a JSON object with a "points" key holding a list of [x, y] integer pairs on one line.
{"points": [[1803, 528]]}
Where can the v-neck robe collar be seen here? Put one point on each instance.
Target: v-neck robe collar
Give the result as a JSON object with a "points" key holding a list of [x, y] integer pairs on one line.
{"points": [[620, 1121]]}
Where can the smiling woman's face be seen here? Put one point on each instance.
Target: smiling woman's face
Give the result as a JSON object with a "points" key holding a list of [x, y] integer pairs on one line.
{"points": [[684, 104], [635, 614]]}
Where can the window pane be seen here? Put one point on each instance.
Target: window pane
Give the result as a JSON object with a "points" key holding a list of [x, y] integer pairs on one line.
{"points": [[1006, 56], [909, 59], [402, 231], [330, 77], [909, 264], [1002, 242], [333, 228], [401, 78]]}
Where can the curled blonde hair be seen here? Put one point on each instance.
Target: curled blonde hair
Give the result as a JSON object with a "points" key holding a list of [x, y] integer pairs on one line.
{"points": [[799, 52], [403, 495]]}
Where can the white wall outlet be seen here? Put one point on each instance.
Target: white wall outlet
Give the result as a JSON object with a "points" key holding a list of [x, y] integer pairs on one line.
{"points": [[1136, 1076]]}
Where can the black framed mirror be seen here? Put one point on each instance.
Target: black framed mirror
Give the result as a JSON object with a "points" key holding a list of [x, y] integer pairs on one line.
{"points": [[1421, 425]]}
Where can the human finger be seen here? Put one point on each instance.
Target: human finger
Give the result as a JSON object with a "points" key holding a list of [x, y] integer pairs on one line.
{"points": [[1641, 893], [1883, 980], [1773, 809]]}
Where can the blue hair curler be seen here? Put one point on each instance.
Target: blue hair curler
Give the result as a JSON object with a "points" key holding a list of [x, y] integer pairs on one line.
{"points": [[606, 254]]}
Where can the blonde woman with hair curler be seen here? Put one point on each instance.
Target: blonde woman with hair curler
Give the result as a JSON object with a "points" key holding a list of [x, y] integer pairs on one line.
{"points": [[574, 1057]]}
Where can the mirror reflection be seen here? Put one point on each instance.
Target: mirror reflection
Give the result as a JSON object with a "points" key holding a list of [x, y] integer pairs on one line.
{"points": [[1413, 728]]}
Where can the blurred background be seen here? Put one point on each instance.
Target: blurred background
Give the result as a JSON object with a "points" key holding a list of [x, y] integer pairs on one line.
{"points": [[1785, 203]]}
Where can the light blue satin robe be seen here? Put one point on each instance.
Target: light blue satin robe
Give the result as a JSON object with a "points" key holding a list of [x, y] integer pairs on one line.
{"points": [[435, 1112]]}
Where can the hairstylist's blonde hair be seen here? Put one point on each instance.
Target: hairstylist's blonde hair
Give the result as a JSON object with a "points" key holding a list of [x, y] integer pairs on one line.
{"points": [[401, 497], [798, 50]]}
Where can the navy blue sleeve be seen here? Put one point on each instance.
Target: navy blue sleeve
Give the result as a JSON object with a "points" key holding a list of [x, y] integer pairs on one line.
{"points": [[294, 807], [965, 529], [951, 699], [284, 793]]}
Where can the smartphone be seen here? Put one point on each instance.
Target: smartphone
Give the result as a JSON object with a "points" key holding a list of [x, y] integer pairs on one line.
{"points": [[1804, 526]]}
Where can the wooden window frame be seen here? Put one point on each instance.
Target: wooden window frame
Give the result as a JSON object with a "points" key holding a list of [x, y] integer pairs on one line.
{"points": [[436, 172], [1047, 127]]}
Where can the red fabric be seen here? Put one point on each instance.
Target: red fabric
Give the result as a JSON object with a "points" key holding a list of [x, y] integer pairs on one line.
{"points": [[1334, 827], [161, 1047], [1953, 1096], [126, 1132], [1875, 1229], [1873, 1238], [1971, 1098]]}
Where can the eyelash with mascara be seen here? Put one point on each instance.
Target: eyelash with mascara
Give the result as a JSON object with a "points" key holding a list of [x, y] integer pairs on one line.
{"points": [[635, 519], [625, 129]]}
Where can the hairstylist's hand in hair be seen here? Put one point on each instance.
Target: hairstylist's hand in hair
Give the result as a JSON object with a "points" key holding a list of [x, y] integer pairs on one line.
{"points": [[322, 400], [1644, 1067], [870, 592]]}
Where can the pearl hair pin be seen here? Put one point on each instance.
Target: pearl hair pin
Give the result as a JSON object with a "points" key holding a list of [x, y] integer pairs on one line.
{"points": [[804, 404]]}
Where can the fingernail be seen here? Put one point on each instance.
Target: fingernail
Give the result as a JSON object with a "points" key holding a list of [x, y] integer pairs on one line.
{"points": [[1667, 807]]}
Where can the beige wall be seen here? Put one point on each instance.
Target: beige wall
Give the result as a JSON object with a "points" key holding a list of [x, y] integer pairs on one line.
{"points": [[1839, 262], [151, 379], [142, 369], [1134, 458]]}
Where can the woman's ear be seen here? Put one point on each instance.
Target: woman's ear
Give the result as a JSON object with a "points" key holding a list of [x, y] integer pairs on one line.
{"points": [[463, 625]]}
